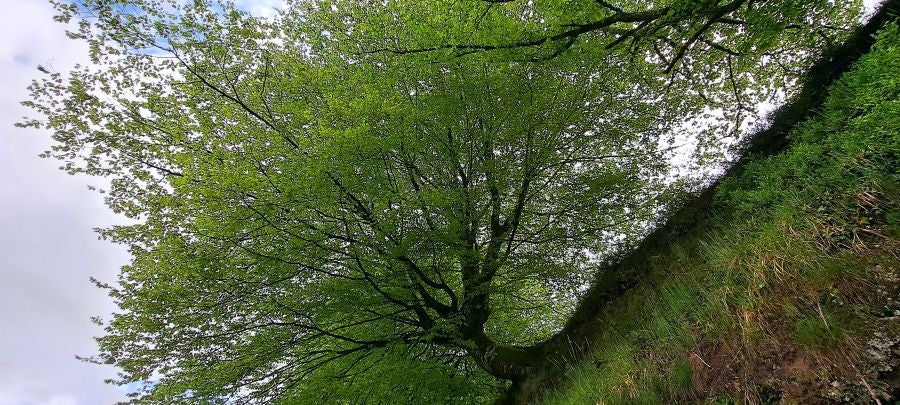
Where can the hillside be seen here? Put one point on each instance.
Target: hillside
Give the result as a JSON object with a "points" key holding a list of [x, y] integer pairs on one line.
{"points": [[394, 201], [788, 291]]}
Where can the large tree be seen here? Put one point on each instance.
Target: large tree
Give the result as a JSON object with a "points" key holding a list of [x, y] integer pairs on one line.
{"points": [[353, 194]]}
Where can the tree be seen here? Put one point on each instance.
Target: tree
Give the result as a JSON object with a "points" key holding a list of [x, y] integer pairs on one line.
{"points": [[356, 189]]}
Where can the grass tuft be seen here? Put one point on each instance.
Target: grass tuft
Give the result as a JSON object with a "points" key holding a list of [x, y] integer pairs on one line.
{"points": [[775, 295]]}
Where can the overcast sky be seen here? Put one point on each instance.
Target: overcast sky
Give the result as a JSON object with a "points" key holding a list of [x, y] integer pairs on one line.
{"points": [[48, 249], [47, 246]]}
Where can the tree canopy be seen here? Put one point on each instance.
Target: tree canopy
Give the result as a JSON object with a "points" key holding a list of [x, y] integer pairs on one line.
{"points": [[354, 197]]}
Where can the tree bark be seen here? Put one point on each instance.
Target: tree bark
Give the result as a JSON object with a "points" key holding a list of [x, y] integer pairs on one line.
{"points": [[514, 363]]}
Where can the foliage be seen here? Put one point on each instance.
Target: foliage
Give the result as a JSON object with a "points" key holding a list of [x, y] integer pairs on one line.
{"points": [[793, 256], [354, 195]]}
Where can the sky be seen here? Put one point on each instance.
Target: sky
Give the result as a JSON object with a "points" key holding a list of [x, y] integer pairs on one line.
{"points": [[48, 249], [47, 246]]}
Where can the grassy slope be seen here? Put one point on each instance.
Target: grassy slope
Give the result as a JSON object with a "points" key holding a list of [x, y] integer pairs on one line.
{"points": [[791, 290]]}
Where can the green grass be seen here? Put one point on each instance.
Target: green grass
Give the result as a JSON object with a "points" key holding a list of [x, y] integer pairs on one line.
{"points": [[784, 259], [822, 329]]}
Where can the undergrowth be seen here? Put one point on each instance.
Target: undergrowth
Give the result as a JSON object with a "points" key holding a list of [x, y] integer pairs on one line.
{"points": [[790, 291]]}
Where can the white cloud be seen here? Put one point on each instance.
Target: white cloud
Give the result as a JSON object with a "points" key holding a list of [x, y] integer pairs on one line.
{"points": [[47, 247], [871, 5], [261, 8], [18, 397], [61, 400]]}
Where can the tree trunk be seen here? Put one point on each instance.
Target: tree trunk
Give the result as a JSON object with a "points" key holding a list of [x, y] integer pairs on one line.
{"points": [[508, 362], [514, 363]]}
